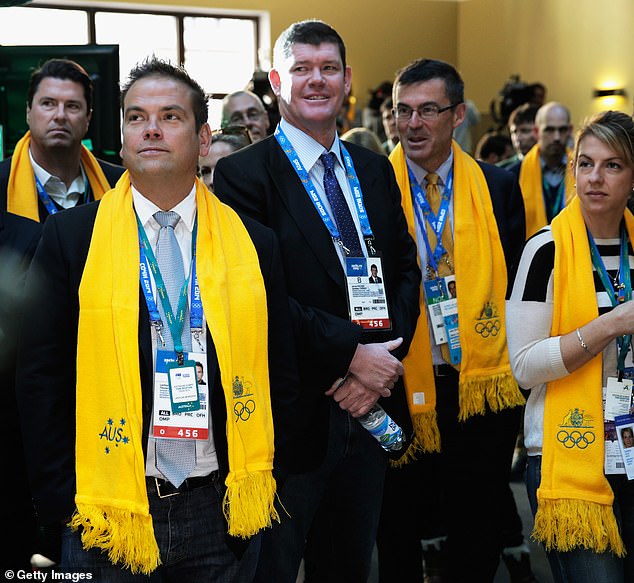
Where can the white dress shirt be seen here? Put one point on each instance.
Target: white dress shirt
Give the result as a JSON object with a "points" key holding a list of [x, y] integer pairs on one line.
{"points": [[206, 459], [309, 150], [56, 188]]}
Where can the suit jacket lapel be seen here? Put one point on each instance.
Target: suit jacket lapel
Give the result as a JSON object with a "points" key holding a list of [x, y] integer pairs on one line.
{"points": [[300, 207]]}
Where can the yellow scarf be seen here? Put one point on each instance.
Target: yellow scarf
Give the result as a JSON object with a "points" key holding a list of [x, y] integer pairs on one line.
{"points": [[532, 189], [112, 505], [575, 499], [22, 196], [485, 372]]}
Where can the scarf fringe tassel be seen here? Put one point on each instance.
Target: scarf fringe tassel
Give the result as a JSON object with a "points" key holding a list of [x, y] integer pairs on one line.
{"points": [[248, 504], [426, 438], [499, 391], [127, 537], [565, 524]]}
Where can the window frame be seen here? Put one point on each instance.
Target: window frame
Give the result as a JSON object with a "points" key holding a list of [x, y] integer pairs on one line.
{"points": [[261, 20]]}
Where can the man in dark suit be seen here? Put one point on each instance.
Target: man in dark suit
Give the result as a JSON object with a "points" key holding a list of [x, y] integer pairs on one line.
{"points": [[164, 131], [430, 501], [374, 277], [51, 170], [334, 498], [18, 239]]}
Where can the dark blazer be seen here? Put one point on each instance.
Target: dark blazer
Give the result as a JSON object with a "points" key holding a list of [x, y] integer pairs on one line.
{"points": [[111, 171], [18, 239], [508, 208], [260, 182], [47, 370]]}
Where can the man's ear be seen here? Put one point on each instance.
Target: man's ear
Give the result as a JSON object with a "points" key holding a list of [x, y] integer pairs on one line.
{"points": [[274, 80]]}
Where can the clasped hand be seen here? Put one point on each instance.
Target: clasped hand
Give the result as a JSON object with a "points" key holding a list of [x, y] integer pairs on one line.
{"points": [[372, 374]]}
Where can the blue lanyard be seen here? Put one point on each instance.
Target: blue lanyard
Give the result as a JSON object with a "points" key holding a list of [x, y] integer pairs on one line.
{"points": [[554, 205], [47, 201], [148, 263], [436, 222], [624, 289], [353, 181]]}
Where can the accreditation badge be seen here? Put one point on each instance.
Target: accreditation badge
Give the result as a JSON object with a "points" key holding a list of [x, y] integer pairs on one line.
{"points": [[618, 398], [181, 397], [367, 299]]}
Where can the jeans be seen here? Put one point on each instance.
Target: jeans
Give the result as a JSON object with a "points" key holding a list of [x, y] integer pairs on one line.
{"points": [[583, 565], [192, 538], [329, 515]]}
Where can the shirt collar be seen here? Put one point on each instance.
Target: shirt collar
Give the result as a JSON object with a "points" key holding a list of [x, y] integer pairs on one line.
{"points": [[442, 171], [186, 208], [43, 175], [307, 148]]}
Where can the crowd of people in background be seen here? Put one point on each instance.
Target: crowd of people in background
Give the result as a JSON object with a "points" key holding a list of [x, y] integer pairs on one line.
{"points": [[192, 342]]}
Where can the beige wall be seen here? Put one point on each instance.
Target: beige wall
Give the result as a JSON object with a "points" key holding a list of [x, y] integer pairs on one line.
{"points": [[380, 36], [572, 46]]}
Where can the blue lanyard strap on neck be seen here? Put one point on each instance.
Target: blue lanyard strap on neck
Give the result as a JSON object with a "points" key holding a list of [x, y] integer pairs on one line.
{"points": [[437, 222], [47, 201], [623, 292], [175, 323], [315, 198]]}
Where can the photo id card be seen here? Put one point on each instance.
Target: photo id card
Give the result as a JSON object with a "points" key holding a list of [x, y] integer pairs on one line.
{"points": [[181, 397], [367, 300], [625, 433], [618, 398]]}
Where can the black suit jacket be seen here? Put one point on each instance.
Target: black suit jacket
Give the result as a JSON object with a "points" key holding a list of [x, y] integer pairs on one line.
{"points": [[18, 239], [508, 208], [260, 181], [111, 171], [47, 370]]}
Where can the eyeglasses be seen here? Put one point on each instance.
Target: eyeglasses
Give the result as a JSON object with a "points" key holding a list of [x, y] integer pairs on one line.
{"points": [[425, 111], [249, 114]]}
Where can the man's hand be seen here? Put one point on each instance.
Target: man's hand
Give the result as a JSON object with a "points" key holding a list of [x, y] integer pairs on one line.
{"points": [[375, 367], [353, 397]]}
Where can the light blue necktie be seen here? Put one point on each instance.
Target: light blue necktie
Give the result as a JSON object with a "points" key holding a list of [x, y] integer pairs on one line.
{"points": [[175, 458]]}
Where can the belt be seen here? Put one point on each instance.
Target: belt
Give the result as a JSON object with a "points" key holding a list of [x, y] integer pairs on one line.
{"points": [[444, 370], [165, 489]]}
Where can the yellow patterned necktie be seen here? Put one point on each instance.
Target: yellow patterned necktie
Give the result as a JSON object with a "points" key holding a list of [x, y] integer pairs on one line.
{"points": [[432, 192], [445, 265]]}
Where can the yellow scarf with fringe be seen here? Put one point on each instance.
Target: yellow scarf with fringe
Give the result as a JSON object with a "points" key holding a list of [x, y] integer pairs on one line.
{"points": [[112, 506], [22, 196], [533, 190], [574, 497], [485, 372]]}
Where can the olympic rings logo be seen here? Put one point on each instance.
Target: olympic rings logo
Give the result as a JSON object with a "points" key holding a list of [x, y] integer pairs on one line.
{"points": [[488, 328], [576, 439], [244, 410]]}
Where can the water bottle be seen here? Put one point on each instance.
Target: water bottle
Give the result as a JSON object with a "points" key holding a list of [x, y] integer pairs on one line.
{"points": [[383, 428]]}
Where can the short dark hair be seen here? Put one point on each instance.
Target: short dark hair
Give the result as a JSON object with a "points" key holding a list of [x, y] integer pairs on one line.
{"points": [[153, 67], [386, 105], [525, 113], [233, 140], [492, 143], [427, 69], [64, 69], [309, 32]]}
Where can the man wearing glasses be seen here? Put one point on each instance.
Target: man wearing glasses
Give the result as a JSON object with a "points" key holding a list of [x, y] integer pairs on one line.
{"points": [[246, 108], [468, 221]]}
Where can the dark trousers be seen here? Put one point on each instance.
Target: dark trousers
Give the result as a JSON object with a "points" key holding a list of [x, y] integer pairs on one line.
{"points": [[192, 539], [462, 493], [330, 515]]}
